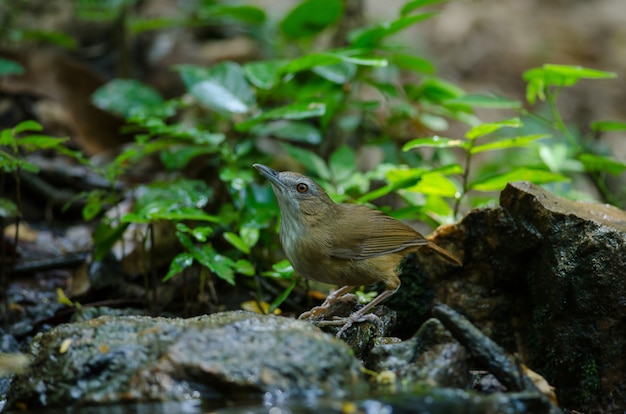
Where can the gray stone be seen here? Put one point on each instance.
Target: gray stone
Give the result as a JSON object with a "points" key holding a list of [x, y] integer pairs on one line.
{"points": [[432, 356], [138, 358]]}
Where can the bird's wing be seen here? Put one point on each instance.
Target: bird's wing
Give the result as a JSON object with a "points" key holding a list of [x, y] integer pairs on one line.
{"points": [[377, 235]]}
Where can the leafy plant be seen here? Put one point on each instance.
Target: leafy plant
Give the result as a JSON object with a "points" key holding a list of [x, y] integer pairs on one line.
{"points": [[319, 105], [312, 105], [546, 84], [15, 143]]}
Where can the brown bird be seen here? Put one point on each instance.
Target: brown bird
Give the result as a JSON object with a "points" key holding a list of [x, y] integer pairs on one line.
{"points": [[343, 244]]}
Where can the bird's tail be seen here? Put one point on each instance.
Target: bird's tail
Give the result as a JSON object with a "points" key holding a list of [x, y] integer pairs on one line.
{"points": [[444, 253]]}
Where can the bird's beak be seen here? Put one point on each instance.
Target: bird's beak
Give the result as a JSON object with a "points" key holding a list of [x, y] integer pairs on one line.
{"points": [[270, 174]]}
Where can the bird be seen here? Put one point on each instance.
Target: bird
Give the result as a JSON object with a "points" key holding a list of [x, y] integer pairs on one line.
{"points": [[344, 244]]}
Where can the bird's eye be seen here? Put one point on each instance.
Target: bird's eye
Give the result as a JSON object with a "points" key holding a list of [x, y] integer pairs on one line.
{"points": [[302, 188]]}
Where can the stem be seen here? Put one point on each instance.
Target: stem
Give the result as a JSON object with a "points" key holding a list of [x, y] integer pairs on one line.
{"points": [[559, 124], [464, 178], [153, 269]]}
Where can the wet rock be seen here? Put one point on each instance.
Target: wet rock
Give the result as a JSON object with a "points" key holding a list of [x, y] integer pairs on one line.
{"points": [[446, 400], [577, 291], [360, 336], [134, 358], [432, 356], [422, 399], [86, 313], [544, 278]]}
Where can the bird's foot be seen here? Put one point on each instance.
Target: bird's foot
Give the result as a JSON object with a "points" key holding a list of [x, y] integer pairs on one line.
{"points": [[348, 321], [318, 311]]}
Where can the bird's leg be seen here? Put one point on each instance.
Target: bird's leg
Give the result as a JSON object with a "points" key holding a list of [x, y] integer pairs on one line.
{"points": [[330, 299], [361, 315]]}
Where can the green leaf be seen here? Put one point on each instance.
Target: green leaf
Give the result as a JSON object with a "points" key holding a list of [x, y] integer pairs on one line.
{"points": [[559, 76], [488, 128], [52, 37], [437, 205], [557, 158], [310, 61], [602, 126], [297, 110], [594, 162], [435, 142], [310, 160], [179, 200], [222, 88], [577, 72], [180, 262], [183, 192], [264, 74], [164, 210], [244, 267], [317, 60], [339, 73], [433, 122], [342, 163], [28, 125], [289, 130], [438, 90], [14, 165], [93, 205], [413, 63], [105, 237], [222, 266], [126, 97], [141, 25], [484, 101], [415, 4], [498, 182], [280, 270], [386, 88], [397, 178], [249, 235], [405, 177], [434, 184], [311, 17], [281, 298], [8, 209], [377, 193], [353, 56], [520, 141], [37, 142], [237, 242], [244, 13], [10, 67], [535, 90], [200, 233], [372, 37], [176, 158]]}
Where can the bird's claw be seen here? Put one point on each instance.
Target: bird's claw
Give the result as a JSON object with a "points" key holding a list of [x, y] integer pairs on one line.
{"points": [[317, 311], [348, 321]]}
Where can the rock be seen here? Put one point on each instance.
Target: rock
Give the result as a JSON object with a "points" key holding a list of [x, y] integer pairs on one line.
{"points": [[432, 356], [422, 399], [137, 358], [544, 278], [447, 400], [360, 336], [576, 290]]}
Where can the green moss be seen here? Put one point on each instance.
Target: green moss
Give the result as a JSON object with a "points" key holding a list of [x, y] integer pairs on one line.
{"points": [[590, 381]]}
